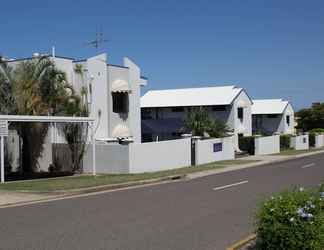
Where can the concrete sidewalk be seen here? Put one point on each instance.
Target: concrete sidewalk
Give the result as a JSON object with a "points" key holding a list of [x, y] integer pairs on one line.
{"points": [[11, 197]]}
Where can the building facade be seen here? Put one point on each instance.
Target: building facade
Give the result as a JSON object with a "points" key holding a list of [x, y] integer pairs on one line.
{"points": [[271, 116], [164, 111], [113, 93]]}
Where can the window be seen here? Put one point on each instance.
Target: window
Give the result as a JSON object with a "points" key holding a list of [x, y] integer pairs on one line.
{"points": [[288, 120], [178, 109], [272, 116], [240, 113], [120, 102], [219, 108], [146, 114]]}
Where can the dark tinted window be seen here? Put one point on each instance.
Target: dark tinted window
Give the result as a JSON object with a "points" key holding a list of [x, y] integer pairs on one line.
{"points": [[240, 113], [120, 102], [178, 109]]}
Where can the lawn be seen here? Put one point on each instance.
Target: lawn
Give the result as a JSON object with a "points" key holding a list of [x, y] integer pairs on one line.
{"points": [[84, 181], [298, 152]]}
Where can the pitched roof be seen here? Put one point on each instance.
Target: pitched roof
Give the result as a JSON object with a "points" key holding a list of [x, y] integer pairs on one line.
{"points": [[269, 106], [207, 96]]}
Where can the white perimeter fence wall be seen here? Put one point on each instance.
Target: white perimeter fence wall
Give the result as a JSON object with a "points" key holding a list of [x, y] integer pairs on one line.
{"points": [[300, 142], [157, 156], [267, 145], [212, 150], [319, 141]]}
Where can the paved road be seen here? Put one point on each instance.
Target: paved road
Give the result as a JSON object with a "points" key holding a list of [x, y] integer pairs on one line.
{"points": [[201, 214]]}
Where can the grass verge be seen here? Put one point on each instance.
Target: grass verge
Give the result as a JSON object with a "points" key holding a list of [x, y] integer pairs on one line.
{"points": [[298, 152], [86, 181]]}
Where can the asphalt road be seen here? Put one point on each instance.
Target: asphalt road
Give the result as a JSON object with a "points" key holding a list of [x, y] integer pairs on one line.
{"points": [[201, 214]]}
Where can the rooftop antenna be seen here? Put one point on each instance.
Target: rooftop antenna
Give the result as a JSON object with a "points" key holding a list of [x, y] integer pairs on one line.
{"points": [[98, 42]]}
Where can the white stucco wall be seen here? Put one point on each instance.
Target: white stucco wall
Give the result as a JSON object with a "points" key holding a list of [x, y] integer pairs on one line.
{"points": [[319, 141], [157, 156], [97, 72], [111, 158], [267, 145], [205, 150], [289, 129], [135, 99], [116, 120], [300, 142]]}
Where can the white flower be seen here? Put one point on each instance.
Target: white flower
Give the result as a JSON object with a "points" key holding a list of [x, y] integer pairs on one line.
{"points": [[301, 189], [310, 216], [292, 219]]}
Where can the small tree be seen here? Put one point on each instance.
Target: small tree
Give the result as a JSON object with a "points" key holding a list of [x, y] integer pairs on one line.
{"points": [[76, 134], [199, 123]]}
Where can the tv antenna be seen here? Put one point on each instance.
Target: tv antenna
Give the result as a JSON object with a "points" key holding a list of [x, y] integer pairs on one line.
{"points": [[98, 42]]}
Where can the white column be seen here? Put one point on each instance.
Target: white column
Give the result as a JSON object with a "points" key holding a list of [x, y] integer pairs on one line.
{"points": [[2, 160], [93, 138]]}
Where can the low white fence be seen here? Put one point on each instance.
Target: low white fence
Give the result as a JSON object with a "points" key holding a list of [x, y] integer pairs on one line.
{"points": [[212, 150], [157, 156], [267, 145], [319, 141], [300, 142], [140, 157], [110, 158]]}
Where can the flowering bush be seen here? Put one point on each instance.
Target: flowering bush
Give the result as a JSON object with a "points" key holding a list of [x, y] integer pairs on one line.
{"points": [[292, 220]]}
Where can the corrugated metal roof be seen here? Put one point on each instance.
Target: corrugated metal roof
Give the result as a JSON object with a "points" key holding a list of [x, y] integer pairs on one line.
{"points": [[207, 96], [269, 106]]}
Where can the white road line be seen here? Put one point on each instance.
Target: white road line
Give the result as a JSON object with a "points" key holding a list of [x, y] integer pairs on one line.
{"points": [[308, 165], [230, 185]]}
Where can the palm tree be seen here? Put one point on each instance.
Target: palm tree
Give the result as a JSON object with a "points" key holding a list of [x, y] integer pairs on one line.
{"points": [[199, 123], [34, 87]]}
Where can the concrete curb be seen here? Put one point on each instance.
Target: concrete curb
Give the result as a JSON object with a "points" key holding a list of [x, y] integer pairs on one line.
{"points": [[61, 195], [242, 242]]}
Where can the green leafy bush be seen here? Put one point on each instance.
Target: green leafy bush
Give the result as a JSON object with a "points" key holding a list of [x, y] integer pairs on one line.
{"points": [[292, 220], [246, 143], [285, 142], [317, 130]]}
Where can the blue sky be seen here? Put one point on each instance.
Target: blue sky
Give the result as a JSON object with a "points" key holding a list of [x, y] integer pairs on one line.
{"points": [[271, 48]]}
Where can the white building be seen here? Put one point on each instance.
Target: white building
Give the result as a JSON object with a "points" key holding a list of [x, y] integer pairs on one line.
{"points": [[164, 111], [113, 93], [271, 116]]}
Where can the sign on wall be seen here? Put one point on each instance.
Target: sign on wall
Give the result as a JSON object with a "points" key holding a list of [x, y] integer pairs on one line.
{"points": [[218, 147], [4, 128]]}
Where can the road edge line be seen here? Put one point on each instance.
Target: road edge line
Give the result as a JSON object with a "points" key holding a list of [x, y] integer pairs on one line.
{"points": [[242, 242]]}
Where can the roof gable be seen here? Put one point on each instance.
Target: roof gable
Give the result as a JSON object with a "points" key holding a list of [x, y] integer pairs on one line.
{"points": [[207, 96], [269, 106]]}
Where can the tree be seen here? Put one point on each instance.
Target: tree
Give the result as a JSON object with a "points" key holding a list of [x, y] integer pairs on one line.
{"points": [[76, 134], [199, 123], [33, 87], [311, 118]]}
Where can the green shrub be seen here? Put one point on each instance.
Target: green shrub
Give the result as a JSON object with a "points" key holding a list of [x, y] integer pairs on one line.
{"points": [[292, 220], [285, 142], [312, 139], [246, 144], [317, 130]]}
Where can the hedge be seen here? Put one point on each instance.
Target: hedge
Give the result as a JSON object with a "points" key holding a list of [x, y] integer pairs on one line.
{"points": [[292, 220], [312, 139], [285, 142], [246, 144]]}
